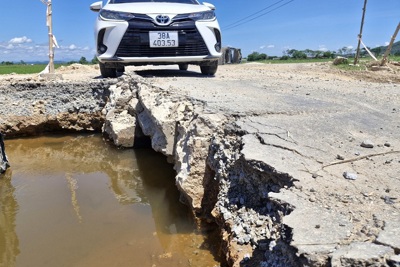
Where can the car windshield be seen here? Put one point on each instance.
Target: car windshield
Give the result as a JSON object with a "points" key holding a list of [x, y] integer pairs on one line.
{"points": [[156, 1]]}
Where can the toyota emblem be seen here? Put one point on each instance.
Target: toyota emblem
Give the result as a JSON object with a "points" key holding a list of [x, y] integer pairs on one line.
{"points": [[163, 19]]}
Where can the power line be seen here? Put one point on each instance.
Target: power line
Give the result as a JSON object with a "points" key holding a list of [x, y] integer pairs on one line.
{"points": [[258, 12], [237, 24]]}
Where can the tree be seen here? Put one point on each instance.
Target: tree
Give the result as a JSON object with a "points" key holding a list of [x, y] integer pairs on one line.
{"points": [[95, 60], [345, 50], [377, 50], [253, 56], [319, 54], [262, 57], [299, 55], [363, 51], [310, 53], [329, 54], [290, 52], [83, 61], [7, 63]]}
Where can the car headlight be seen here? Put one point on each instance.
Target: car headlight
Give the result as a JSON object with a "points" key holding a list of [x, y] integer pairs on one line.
{"points": [[206, 15], [114, 15]]}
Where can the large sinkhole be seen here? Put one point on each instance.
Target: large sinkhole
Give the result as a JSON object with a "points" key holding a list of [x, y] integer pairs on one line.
{"points": [[79, 201]]}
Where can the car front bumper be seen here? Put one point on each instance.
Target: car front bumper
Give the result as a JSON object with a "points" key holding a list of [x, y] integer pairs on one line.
{"points": [[127, 43]]}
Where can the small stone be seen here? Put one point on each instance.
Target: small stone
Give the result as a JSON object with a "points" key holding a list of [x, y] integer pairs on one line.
{"points": [[272, 244], [387, 144], [312, 199], [259, 223], [227, 216], [339, 157], [238, 230], [350, 176], [298, 186], [240, 241], [367, 144], [340, 60], [388, 200]]}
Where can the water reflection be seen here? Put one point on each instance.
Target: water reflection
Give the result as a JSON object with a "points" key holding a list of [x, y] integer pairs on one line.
{"points": [[76, 201], [8, 208]]}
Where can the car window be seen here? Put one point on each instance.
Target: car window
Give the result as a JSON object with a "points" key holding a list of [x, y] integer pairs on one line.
{"points": [[157, 1]]}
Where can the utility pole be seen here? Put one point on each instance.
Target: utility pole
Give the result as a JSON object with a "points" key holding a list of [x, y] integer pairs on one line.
{"points": [[360, 35], [384, 59], [49, 71], [49, 15], [49, 23]]}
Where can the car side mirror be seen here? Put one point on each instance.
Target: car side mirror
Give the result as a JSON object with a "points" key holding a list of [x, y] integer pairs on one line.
{"points": [[97, 6], [210, 6]]}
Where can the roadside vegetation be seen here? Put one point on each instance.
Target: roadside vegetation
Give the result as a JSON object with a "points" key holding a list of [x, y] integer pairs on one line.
{"points": [[309, 56], [7, 67]]}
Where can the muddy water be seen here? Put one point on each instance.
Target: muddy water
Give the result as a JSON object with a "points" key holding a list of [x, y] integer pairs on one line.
{"points": [[77, 201]]}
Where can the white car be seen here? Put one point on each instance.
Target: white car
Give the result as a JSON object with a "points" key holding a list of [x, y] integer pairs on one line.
{"points": [[156, 32]]}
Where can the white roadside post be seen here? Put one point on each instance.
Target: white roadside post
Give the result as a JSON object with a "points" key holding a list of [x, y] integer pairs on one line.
{"points": [[49, 72]]}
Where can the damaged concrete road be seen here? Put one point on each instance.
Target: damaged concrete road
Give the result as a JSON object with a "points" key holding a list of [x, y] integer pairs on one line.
{"points": [[267, 151], [290, 134]]}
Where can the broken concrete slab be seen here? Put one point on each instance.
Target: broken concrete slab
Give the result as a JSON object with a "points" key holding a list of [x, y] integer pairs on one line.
{"points": [[316, 232], [120, 128], [361, 254], [390, 235]]}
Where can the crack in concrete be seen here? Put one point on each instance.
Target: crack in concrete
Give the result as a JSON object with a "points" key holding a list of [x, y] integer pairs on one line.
{"points": [[261, 139]]}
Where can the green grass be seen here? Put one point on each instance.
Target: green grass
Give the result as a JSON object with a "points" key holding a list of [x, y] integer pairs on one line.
{"points": [[24, 69], [293, 61]]}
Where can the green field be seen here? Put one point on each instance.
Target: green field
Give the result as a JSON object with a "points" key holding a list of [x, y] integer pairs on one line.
{"points": [[24, 69]]}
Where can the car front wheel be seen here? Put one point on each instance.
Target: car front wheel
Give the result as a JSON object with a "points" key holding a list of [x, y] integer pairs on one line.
{"points": [[107, 72], [209, 69]]}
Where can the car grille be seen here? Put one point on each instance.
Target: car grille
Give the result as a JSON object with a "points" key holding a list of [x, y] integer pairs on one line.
{"points": [[135, 42]]}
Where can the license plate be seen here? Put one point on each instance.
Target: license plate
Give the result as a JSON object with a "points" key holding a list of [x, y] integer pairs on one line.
{"points": [[164, 39]]}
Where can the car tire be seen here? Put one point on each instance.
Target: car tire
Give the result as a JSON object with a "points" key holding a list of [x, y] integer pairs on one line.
{"points": [[209, 69], [183, 67], [121, 69], [107, 72]]}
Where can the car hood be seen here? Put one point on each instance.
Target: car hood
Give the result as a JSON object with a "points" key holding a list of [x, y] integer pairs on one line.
{"points": [[156, 8]]}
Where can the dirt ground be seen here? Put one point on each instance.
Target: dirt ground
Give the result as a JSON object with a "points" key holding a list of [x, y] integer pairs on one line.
{"points": [[388, 74]]}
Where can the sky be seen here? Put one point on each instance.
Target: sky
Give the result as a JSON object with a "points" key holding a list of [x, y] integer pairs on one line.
{"points": [[287, 24]]}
